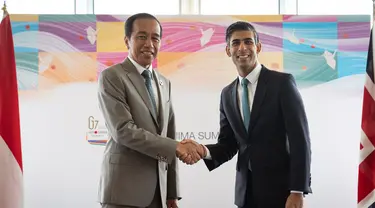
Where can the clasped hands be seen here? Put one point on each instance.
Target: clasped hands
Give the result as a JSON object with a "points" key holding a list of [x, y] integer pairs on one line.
{"points": [[190, 152]]}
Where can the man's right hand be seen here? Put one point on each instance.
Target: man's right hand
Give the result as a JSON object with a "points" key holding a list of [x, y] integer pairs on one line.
{"points": [[190, 152]]}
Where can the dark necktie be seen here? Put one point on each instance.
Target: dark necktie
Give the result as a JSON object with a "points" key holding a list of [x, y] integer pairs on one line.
{"points": [[147, 75]]}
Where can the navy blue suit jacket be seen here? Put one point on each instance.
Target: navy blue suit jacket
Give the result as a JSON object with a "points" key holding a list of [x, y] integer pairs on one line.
{"points": [[277, 144]]}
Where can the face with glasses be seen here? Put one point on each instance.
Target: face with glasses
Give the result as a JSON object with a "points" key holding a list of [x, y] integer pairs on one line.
{"points": [[144, 43], [243, 49]]}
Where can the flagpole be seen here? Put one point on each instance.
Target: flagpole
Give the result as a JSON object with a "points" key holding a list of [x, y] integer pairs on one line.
{"points": [[5, 12]]}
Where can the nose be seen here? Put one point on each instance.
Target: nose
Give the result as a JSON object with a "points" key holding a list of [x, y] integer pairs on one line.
{"points": [[148, 43], [242, 46]]}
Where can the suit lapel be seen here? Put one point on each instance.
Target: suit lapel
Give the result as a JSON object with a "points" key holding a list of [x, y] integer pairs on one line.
{"points": [[139, 84], [237, 112], [260, 93], [160, 85]]}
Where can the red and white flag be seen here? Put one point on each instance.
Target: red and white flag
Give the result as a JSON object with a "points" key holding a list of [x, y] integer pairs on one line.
{"points": [[366, 176], [11, 170]]}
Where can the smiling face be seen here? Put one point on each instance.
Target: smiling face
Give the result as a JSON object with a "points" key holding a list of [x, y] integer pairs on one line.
{"points": [[243, 48], [144, 42]]}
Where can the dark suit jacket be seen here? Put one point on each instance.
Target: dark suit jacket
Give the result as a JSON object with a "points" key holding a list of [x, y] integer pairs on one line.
{"points": [[277, 144]]}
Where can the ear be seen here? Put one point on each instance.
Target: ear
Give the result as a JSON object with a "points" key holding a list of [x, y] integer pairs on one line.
{"points": [[127, 42], [227, 50], [259, 47]]}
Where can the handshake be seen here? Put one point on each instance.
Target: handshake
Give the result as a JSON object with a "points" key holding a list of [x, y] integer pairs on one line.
{"points": [[190, 152]]}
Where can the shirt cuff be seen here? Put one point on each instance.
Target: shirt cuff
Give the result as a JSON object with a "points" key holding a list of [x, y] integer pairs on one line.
{"points": [[208, 155]]}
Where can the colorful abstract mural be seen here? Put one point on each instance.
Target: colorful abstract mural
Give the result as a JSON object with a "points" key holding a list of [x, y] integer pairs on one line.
{"points": [[53, 50]]}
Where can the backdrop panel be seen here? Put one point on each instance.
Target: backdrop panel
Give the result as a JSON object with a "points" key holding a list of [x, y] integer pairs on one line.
{"points": [[63, 132]]}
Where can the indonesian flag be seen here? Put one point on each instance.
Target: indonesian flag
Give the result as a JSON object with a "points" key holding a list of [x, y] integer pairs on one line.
{"points": [[366, 176], [11, 173]]}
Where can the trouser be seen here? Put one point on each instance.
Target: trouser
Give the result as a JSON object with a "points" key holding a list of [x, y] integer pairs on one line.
{"points": [[270, 202]]}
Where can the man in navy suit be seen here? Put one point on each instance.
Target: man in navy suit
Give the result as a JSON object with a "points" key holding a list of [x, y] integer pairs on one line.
{"points": [[262, 118]]}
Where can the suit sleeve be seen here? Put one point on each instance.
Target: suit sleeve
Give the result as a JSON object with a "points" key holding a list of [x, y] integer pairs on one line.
{"points": [[226, 147], [115, 109], [297, 129], [173, 186]]}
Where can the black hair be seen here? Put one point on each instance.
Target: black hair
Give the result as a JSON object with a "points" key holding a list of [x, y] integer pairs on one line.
{"points": [[130, 22], [240, 26]]}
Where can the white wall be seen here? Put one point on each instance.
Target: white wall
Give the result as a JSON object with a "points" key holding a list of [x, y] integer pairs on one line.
{"points": [[61, 169]]}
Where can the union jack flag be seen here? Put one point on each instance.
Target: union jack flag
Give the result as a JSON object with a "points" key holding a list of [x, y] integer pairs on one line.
{"points": [[366, 176]]}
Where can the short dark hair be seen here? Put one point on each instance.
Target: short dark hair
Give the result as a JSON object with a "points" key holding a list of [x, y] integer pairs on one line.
{"points": [[240, 26], [130, 22]]}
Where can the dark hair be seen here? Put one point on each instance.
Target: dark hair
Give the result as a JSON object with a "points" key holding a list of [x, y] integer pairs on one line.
{"points": [[240, 26], [130, 22]]}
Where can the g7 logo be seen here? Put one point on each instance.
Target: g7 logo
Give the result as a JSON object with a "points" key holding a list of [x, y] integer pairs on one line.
{"points": [[93, 123]]}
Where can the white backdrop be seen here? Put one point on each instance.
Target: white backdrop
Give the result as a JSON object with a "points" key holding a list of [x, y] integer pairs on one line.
{"points": [[61, 169]]}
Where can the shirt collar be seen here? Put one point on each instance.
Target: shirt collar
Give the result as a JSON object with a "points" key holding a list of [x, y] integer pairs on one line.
{"points": [[140, 68], [253, 75]]}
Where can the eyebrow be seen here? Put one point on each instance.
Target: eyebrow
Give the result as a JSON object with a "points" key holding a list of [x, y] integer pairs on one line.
{"points": [[145, 33], [252, 39]]}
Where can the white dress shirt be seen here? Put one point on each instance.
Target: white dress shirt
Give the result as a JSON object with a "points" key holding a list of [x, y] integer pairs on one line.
{"points": [[140, 69]]}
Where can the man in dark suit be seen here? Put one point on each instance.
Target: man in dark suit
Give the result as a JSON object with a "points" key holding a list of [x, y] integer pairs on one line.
{"points": [[262, 117]]}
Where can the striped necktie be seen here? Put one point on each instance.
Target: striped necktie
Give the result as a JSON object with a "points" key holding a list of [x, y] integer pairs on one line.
{"points": [[147, 75]]}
